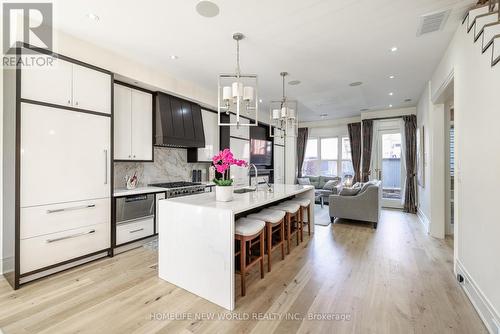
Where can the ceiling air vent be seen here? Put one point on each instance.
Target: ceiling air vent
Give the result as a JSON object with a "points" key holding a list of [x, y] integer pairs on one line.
{"points": [[432, 22]]}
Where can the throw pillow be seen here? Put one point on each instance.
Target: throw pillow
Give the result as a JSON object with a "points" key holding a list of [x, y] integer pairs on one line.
{"points": [[349, 191], [330, 185], [304, 181]]}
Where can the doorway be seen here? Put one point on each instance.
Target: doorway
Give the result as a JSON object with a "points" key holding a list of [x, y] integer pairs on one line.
{"points": [[388, 165]]}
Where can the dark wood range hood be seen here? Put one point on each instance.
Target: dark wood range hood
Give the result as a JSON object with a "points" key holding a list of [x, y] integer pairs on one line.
{"points": [[178, 122]]}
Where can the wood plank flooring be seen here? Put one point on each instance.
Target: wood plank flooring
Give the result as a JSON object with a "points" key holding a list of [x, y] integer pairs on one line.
{"points": [[348, 278]]}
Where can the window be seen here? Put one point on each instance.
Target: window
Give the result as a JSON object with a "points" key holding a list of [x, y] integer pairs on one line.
{"points": [[328, 156], [347, 168]]}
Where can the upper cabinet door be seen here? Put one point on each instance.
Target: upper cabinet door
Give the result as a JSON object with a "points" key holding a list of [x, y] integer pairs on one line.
{"points": [[242, 131], [122, 122], [65, 156], [142, 125], [51, 85], [91, 89], [211, 130]]}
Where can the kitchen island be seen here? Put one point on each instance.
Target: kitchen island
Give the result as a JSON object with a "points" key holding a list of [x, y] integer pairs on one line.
{"points": [[196, 239]]}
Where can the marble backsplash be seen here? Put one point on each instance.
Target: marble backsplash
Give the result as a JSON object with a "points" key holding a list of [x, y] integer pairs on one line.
{"points": [[170, 164]]}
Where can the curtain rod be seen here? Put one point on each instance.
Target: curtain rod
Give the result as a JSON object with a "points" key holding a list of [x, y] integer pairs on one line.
{"points": [[382, 118]]}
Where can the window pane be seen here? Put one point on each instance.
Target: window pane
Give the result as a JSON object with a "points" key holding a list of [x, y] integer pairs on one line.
{"points": [[391, 146], [347, 168], [328, 168], [311, 149], [346, 148], [329, 148], [310, 168]]}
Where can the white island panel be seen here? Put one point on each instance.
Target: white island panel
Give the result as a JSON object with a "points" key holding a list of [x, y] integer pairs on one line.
{"points": [[196, 239]]}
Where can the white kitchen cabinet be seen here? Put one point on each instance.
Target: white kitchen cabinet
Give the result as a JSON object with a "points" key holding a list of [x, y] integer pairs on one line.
{"points": [[211, 129], [242, 131], [50, 249], [91, 89], [51, 85], [279, 164], [67, 84], [133, 125], [241, 150], [65, 156]]}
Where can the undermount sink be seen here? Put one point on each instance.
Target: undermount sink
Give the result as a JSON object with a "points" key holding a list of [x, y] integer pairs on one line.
{"points": [[244, 190]]}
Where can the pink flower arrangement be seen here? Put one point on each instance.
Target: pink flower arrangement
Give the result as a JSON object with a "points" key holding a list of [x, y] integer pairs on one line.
{"points": [[222, 161]]}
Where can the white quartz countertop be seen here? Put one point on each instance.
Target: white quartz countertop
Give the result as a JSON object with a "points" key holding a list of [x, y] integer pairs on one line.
{"points": [[246, 201], [137, 191]]}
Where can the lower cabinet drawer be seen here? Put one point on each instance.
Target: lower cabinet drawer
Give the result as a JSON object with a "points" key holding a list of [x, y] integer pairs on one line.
{"points": [[47, 219], [50, 249], [134, 230]]}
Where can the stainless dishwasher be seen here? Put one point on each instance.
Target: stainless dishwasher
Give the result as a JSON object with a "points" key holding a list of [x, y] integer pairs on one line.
{"points": [[135, 217]]}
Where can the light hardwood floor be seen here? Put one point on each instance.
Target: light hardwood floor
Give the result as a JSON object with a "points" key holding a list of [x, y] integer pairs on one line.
{"points": [[395, 279]]}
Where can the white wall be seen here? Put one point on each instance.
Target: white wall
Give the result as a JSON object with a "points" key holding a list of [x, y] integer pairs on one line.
{"points": [[477, 162]]}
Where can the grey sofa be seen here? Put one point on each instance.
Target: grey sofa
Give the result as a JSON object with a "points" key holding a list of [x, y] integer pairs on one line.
{"points": [[322, 194], [364, 206]]}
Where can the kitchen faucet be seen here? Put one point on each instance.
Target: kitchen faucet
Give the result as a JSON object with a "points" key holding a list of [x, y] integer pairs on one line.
{"points": [[256, 175]]}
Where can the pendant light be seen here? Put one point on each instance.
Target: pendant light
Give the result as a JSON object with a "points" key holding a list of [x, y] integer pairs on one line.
{"points": [[283, 120], [237, 93]]}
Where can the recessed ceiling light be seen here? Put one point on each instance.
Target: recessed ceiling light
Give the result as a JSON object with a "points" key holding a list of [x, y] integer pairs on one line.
{"points": [[294, 82], [390, 105], [135, 82], [391, 76], [207, 8], [394, 49], [391, 94], [92, 16], [354, 84], [408, 100], [174, 57], [323, 115], [260, 100], [364, 109]]}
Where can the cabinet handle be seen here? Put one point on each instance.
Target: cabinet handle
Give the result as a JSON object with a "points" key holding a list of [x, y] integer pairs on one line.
{"points": [[76, 103], [138, 230], [105, 166], [134, 155], [69, 236], [72, 208], [69, 102]]}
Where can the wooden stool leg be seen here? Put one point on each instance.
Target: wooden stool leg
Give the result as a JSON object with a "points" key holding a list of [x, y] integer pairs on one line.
{"points": [[269, 229], [262, 254], [301, 224], [288, 232], [309, 219], [243, 262], [298, 226], [282, 235]]}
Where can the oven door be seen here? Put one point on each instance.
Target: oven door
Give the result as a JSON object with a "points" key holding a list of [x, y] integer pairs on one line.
{"points": [[134, 207]]}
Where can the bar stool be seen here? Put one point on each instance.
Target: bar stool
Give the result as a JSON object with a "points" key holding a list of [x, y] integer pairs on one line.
{"points": [[248, 230], [305, 205], [291, 215], [275, 222]]}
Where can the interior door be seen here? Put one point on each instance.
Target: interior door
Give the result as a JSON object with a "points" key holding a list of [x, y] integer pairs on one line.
{"points": [[388, 166], [142, 125], [65, 156]]}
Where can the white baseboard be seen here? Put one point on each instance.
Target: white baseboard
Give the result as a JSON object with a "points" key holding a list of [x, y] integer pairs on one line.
{"points": [[484, 308], [424, 220]]}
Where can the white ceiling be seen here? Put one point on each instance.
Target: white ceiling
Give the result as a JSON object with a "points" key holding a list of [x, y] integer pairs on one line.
{"points": [[326, 44]]}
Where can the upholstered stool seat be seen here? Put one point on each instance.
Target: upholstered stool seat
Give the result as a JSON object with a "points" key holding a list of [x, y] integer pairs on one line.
{"points": [[271, 216], [301, 201], [249, 232], [275, 223], [247, 227], [287, 207]]}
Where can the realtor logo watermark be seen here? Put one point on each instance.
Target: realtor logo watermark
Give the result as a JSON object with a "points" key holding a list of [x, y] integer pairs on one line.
{"points": [[27, 23]]}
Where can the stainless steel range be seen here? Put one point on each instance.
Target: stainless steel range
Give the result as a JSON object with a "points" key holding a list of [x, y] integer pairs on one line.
{"points": [[178, 189]]}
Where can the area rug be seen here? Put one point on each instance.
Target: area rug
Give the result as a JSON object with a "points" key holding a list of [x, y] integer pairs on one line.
{"points": [[321, 215]]}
